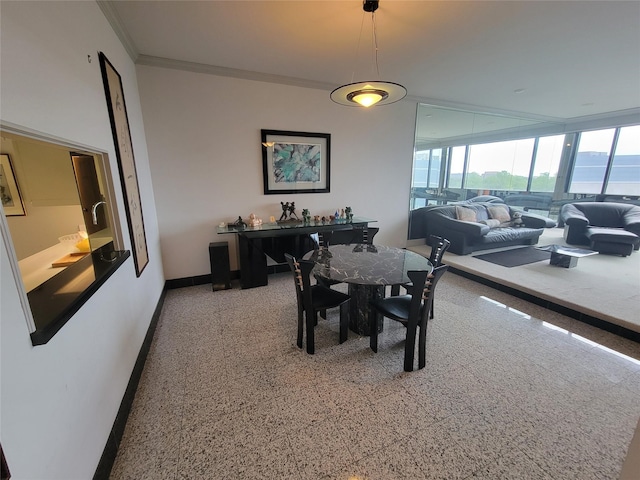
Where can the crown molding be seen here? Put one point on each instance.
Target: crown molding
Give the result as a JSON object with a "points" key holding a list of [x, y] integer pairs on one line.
{"points": [[110, 13], [152, 61]]}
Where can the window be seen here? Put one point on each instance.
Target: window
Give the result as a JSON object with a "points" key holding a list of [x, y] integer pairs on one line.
{"points": [[421, 169], [624, 177], [434, 168], [456, 169], [546, 163], [500, 165], [591, 161]]}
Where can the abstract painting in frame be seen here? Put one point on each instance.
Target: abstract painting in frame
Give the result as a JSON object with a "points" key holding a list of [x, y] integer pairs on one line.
{"points": [[9, 191], [126, 161], [295, 162]]}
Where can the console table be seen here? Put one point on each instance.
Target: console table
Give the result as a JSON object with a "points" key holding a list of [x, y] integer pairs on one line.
{"points": [[265, 246]]}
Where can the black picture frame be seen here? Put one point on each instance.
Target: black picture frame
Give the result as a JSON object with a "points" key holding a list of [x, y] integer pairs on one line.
{"points": [[126, 162], [9, 189], [296, 162]]}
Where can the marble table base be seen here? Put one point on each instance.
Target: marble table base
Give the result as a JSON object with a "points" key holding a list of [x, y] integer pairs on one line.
{"points": [[360, 310]]}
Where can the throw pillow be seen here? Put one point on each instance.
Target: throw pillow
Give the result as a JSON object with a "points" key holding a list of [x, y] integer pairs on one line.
{"points": [[465, 214], [481, 212], [499, 212]]}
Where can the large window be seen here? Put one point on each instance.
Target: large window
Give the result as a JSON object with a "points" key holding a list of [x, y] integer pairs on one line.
{"points": [[603, 162], [500, 165], [608, 161], [546, 163], [624, 177], [426, 168], [456, 169], [591, 161]]}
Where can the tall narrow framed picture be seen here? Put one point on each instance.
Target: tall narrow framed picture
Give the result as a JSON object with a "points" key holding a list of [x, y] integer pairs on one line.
{"points": [[9, 191], [295, 162], [126, 161]]}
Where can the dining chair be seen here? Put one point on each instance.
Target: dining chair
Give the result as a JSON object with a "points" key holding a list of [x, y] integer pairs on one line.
{"points": [[412, 311], [313, 299], [345, 237], [439, 246]]}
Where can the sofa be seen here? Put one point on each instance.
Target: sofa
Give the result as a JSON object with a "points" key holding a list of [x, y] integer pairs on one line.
{"points": [[472, 225], [606, 227]]}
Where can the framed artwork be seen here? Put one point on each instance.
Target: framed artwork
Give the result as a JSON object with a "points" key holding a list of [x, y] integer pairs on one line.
{"points": [[295, 162], [9, 191], [126, 161]]}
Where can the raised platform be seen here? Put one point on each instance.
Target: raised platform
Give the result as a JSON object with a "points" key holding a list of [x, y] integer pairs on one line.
{"points": [[603, 290]]}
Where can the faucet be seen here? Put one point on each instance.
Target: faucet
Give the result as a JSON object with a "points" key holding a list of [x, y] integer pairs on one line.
{"points": [[94, 215]]}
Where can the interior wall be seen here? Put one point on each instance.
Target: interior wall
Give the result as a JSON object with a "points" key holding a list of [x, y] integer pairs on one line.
{"points": [[59, 400], [203, 133]]}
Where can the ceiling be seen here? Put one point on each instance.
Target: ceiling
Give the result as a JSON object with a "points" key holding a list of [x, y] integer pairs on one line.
{"points": [[542, 60]]}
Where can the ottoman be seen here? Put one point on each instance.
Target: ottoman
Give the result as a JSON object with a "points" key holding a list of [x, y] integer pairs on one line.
{"points": [[612, 240]]}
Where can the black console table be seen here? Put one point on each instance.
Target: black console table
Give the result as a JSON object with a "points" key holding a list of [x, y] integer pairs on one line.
{"points": [[262, 247]]}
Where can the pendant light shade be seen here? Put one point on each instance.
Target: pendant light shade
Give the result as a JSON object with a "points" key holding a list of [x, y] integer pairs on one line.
{"points": [[370, 93], [367, 94]]}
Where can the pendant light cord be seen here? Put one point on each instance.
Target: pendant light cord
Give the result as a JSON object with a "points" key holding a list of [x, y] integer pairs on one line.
{"points": [[374, 43]]}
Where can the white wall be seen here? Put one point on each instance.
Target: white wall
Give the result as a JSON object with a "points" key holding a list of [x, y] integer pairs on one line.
{"points": [[59, 400], [203, 133]]}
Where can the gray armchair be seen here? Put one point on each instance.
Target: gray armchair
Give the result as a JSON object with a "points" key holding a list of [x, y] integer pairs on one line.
{"points": [[607, 227]]}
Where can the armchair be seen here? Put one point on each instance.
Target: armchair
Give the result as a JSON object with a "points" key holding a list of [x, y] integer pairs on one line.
{"points": [[607, 227]]}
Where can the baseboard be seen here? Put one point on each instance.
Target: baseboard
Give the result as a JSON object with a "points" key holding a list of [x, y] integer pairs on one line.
{"points": [[111, 448], [583, 317], [196, 280]]}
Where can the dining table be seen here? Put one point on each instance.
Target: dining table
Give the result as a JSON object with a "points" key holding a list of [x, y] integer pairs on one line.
{"points": [[367, 269]]}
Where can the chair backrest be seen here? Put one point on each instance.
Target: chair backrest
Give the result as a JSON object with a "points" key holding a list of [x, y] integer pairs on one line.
{"points": [[439, 245], [424, 284], [301, 270]]}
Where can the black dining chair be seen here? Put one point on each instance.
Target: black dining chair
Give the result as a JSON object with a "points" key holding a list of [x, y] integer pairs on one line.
{"points": [[439, 246], [313, 299], [345, 237], [410, 310]]}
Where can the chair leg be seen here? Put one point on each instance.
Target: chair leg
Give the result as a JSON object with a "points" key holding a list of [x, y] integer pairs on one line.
{"points": [[323, 314], [409, 348], [395, 290], [300, 328], [311, 344], [422, 345], [344, 322]]}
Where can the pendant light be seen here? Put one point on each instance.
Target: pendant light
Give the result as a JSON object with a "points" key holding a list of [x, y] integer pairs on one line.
{"points": [[372, 92]]}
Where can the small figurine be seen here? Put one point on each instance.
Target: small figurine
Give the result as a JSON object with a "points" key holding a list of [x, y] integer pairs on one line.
{"points": [[306, 216], [239, 223], [254, 221], [316, 218], [292, 210], [348, 213], [285, 210], [342, 214]]}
